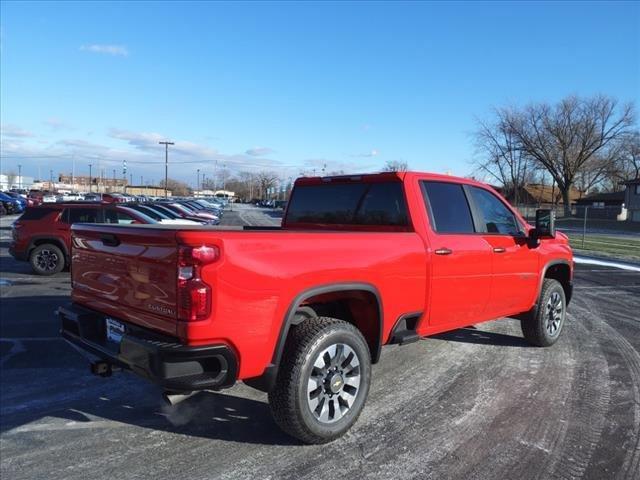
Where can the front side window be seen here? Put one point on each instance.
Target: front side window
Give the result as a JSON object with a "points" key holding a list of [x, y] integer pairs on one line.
{"points": [[497, 218], [448, 206]]}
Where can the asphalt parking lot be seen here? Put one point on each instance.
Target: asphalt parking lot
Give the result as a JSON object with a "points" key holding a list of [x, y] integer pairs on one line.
{"points": [[474, 403]]}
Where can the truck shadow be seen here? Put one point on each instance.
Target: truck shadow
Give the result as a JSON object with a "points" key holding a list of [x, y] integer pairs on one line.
{"points": [[480, 337], [46, 385]]}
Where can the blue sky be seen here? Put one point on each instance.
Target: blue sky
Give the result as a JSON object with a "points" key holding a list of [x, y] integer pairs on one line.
{"points": [[291, 86]]}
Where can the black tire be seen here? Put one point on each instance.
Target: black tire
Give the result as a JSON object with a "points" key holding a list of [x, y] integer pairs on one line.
{"points": [[290, 401], [47, 259], [542, 325]]}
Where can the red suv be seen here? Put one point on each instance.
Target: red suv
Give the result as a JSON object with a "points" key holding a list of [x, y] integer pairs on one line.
{"points": [[42, 235]]}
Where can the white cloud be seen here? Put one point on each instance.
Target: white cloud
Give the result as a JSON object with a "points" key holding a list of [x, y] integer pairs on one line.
{"points": [[259, 151], [56, 123], [149, 141], [372, 153], [115, 50], [14, 131]]}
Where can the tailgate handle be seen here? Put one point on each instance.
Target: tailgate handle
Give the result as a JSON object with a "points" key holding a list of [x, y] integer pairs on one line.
{"points": [[109, 240]]}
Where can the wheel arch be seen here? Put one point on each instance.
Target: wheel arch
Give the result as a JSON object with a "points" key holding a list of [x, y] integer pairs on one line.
{"points": [[561, 271], [42, 240], [302, 303]]}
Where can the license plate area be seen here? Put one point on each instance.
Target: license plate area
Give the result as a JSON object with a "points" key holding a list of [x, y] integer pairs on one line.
{"points": [[114, 330]]}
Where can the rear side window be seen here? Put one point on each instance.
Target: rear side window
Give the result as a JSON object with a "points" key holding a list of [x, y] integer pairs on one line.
{"points": [[82, 215], [448, 206], [497, 218], [37, 213], [349, 204]]}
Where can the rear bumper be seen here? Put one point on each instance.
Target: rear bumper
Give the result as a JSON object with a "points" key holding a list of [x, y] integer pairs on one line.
{"points": [[158, 358]]}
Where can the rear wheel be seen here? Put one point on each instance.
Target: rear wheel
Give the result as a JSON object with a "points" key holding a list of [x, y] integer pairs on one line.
{"points": [[47, 259], [323, 380], [543, 324]]}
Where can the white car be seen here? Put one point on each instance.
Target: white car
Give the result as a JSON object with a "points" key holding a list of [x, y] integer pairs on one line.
{"points": [[69, 197], [178, 221], [49, 198]]}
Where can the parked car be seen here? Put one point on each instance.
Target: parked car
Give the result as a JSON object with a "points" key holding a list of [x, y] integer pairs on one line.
{"points": [[22, 200], [303, 311], [10, 204], [176, 214], [189, 212], [49, 198], [161, 217], [69, 197], [92, 197], [113, 198], [3, 211], [42, 235]]}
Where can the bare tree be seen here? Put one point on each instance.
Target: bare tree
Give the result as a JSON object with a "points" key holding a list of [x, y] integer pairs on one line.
{"points": [[630, 157], [265, 181], [500, 156], [395, 166], [572, 136], [176, 187]]}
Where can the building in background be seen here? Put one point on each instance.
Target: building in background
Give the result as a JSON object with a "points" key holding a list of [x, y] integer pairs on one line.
{"points": [[147, 190], [7, 182], [632, 200]]}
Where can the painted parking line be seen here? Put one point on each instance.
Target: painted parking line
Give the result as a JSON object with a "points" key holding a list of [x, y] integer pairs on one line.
{"points": [[606, 263]]}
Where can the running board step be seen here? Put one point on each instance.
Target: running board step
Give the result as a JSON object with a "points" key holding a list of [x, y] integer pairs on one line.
{"points": [[403, 338], [404, 331]]}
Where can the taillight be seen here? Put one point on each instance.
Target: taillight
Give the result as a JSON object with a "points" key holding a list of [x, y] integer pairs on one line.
{"points": [[194, 295]]}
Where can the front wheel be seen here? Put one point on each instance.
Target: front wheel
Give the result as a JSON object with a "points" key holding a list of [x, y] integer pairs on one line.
{"points": [[543, 324], [47, 259], [323, 380]]}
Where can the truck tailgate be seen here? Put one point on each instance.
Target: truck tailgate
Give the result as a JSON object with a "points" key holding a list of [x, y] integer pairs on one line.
{"points": [[127, 272]]}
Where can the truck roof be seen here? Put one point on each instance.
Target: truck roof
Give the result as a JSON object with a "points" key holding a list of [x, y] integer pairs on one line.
{"points": [[385, 177]]}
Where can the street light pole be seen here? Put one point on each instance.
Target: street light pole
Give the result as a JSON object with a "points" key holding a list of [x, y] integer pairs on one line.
{"points": [[90, 185], [166, 164], [20, 176], [198, 180], [51, 179]]}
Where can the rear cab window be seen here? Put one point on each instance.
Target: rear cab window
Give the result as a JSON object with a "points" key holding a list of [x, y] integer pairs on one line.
{"points": [[349, 204], [448, 207]]}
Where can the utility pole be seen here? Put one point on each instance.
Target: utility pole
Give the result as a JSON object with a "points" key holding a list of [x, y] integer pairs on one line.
{"points": [[131, 179], [114, 180], [224, 179], [51, 179], [90, 184], [20, 176], [166, 164], [198, 180]]}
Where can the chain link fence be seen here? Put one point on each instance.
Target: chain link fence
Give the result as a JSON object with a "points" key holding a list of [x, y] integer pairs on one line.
{"points": [[595, 230]]}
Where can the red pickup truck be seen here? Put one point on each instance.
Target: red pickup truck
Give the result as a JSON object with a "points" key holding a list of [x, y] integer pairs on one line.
{"points": [[301, 311]]}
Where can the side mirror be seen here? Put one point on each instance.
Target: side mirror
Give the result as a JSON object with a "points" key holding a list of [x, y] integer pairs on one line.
{"points": [[545, 223]]}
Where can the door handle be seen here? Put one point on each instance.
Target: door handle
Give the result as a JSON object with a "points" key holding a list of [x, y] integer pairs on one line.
{"points": [[499, 249], [110, 240], [443, 251]]}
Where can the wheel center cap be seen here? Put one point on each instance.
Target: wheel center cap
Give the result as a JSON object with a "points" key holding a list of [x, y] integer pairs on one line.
{"points": [[335, 383]]}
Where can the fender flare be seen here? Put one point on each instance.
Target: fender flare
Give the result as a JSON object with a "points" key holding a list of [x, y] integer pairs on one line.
{"points": [[55, 240], [543, 274], [266, 381]]}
